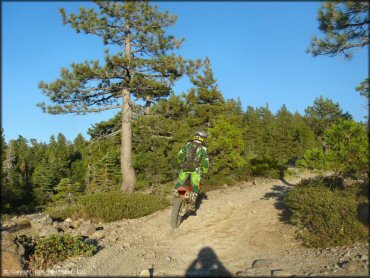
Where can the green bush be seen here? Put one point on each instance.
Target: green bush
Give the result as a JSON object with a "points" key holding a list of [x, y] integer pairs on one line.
{"points": [[215, 182], [110, 206], [313, 159], [265, 167], [57, 248], [326, 212], [115, 205], [64, 211], [348, 146]]}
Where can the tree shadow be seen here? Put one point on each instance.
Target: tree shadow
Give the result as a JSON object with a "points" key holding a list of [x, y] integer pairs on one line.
{"points": [[279, 192], [282, 176], [207, 264]]}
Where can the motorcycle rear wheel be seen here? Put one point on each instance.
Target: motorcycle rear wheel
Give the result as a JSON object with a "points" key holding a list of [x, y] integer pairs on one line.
{"points": [[176, 217]]}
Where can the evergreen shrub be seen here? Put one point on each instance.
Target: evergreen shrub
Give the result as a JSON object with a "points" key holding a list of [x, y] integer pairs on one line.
{"points": [[313, 159], [63, 211], [111, 206], [326, 212], [56, 248], [115, 205], [265, 167]]}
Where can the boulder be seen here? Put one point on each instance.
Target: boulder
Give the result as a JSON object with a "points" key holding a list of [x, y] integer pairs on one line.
{"points": [[20, 250], [39, 221], [11, 247], [7, 240], [11, 264], [48, 230], [87, 230], [63, 226], [100, 234], [75, 224]]}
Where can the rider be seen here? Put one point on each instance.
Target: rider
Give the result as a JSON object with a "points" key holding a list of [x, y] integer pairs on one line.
{"points": [[193, 159]]}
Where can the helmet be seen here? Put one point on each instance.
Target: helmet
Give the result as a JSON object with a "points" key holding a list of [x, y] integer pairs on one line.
{"points": [[200, 136]]}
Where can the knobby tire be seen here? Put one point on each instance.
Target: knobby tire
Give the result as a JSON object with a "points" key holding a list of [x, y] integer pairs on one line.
{"points": [[175, 215]]}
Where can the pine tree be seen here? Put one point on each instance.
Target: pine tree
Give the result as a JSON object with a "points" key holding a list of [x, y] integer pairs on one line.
{"points": [[226, 147], [208, 100], [268, 132], [348, 147], [79, 161], [345, 25], [252, 133], [323, 114], [144, 68], [284, 139]]}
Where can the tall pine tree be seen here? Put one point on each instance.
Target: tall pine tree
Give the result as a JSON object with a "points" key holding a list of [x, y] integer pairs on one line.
{"points": [[143, 68]]}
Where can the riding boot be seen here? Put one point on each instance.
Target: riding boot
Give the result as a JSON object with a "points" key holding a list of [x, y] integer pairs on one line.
{"points": [[193, 201]]}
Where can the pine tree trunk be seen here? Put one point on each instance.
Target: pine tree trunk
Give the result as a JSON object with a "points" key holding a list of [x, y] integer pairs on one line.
{"points": [[147, 105], [127, 170]]}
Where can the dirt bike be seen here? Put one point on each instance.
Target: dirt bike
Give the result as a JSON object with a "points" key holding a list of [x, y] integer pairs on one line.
{"points": [[181, 203]]}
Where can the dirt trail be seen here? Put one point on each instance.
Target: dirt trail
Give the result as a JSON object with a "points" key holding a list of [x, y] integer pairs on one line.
{"points": [[233, 227]]}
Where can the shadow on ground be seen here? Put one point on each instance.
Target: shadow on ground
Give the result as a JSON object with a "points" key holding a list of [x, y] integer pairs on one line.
{"points": [[207, 264], [278, 194]]}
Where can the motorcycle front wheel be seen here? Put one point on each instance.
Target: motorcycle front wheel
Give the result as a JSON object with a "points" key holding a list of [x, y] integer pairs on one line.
{"points": [[176, 217]]}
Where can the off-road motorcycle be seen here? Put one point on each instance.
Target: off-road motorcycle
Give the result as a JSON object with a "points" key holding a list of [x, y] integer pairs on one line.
{"points": [[181, 203]]}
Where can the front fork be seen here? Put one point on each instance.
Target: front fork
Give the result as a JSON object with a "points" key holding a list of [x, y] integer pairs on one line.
{"points": [[186, 199]]}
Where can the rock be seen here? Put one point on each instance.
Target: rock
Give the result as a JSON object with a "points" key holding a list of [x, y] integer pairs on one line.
{"points": [[20, 250], [351, 266], [280, 272], [145, 273], [364, 258], [347, 254], [48, 230], [263, 263], [7, 240], [126, 245], [56, 224], [68, 220], [87, 222], [11, 264], [99, 234], [39, 221], [12, 247], [63, 226], [225, 185], [88, 230], [168, 259], [75, 224]]}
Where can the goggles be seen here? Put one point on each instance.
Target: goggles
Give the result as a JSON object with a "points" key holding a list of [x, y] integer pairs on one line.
{"points": [[201, 139]]}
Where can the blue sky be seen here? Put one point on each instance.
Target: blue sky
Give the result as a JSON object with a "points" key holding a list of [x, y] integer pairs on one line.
{"points": [[257, 51]]}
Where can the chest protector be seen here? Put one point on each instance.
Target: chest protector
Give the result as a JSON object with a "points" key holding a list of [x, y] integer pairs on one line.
{"points": [[192, 159]]}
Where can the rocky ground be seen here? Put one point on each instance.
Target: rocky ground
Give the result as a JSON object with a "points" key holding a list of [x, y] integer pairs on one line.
{"points": [[238, 231]]}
